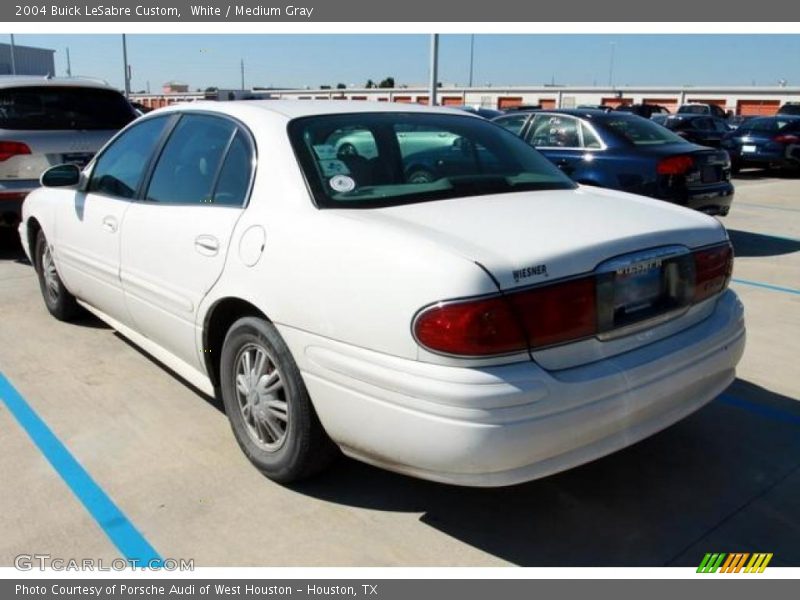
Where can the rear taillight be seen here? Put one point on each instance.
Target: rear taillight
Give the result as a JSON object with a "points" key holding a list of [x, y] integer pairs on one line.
{"points": [[786, 138], [9, 149], [558, 313], [471, 328], [713, 268], [534, 318], [675, 165], [562, 312]]}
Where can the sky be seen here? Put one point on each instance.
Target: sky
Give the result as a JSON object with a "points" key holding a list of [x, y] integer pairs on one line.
{"points": [[312, 60]]}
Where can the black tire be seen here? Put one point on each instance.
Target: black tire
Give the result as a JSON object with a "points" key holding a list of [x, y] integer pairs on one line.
{"points": [[59, 302], [420, 175], [305, 449]]}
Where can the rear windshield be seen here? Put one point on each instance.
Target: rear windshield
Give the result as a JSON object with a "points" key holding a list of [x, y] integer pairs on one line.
{"points": [[642, 132], [58, 108], [367, 160]]}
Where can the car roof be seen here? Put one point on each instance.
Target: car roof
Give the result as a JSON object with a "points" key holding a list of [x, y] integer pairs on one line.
{"points": [[9, 81], [587, 113], [293, 109]]}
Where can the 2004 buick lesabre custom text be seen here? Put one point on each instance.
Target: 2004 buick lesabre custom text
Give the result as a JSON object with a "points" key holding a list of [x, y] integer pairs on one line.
{"points": [[350, 278]]}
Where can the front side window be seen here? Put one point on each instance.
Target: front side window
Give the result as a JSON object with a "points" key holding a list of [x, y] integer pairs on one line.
{"points": [[365, 160], [187, 168], [118, 171]]}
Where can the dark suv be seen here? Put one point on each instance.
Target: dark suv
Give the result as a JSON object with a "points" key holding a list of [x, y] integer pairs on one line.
{"points": [[790, 108], [46, 121]]}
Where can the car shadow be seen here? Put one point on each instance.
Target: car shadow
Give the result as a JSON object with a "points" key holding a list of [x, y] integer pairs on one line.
{"points": [[746, 243], [667, 500], [214, 401], [755, 174], [10, 246]]}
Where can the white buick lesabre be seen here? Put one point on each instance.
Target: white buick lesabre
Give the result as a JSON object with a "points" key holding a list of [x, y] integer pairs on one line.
{"points": [[416, 287]]}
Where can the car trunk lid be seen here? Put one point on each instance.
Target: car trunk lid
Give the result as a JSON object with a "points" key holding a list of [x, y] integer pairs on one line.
{"points": [[530, 239]]}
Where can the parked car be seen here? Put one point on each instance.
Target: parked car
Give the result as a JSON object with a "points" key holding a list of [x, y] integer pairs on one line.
{"points": [[625, 152], [47, 121], [519, 107], [492, 326], [602, 107], [737, 121], [643, 110], [766, 142], [697, 108], [699, 129], [790, 108], [481, 111], [660, 119]]}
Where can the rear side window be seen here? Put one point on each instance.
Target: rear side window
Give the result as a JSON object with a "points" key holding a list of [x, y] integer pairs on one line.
{"points": [[555, 131], [187, 168], [119, 169], [234, 178], [50, 108], [642, 132]]}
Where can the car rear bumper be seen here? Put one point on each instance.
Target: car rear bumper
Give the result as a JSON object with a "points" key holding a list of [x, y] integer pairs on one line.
{"points": [[504, 425], [714, 200]]}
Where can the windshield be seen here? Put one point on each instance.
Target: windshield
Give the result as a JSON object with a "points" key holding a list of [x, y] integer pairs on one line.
{"points": [[642, 132], [49, 108], [368, 160]]}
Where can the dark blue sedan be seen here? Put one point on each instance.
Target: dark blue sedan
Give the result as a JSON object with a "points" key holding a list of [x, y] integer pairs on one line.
{"points": [[768, 142], [626, 152]]}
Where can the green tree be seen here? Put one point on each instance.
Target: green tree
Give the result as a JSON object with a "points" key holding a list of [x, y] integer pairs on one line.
{"points": [[387, 83]]}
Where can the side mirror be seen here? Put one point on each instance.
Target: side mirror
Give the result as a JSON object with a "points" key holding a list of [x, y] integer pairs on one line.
{"points": [[61, 176]]}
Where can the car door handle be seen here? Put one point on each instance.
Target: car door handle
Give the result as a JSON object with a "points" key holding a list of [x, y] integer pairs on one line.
{"points": [[110, 224], [206, 244]]}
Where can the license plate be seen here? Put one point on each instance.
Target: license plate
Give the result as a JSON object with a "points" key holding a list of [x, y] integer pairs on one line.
{"points": [[77, 158], [638, 290], [709, 174], [748, 148]]}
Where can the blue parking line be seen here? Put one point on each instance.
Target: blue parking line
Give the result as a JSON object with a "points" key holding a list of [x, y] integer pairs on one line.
{"points": [[760, 409], [132, 544], [767, 286]]}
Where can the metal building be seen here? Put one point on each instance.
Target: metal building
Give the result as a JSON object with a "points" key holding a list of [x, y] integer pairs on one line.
{"points": [[27, 60]]}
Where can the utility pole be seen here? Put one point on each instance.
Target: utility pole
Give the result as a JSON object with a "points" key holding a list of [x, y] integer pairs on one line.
{"points": [[434, 67], [471, 57], [611, 67], [13, 58], [242, 69], [126, 67], [69, 65]]}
